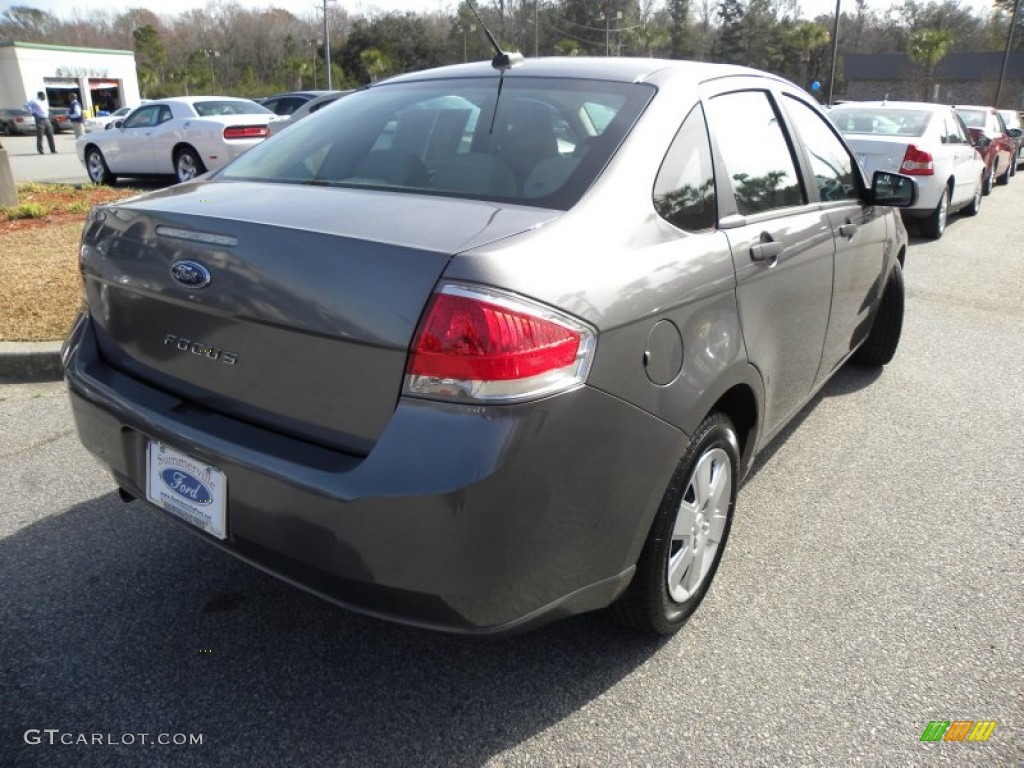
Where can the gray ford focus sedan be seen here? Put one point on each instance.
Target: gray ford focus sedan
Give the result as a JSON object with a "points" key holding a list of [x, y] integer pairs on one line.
{"points": [[476, 348]]}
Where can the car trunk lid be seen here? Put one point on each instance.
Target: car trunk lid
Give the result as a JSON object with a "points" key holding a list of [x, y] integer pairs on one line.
{"points": [[312, 299]]}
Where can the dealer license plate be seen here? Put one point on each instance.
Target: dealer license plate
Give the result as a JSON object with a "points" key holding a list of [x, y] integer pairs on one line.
{"points": [[190, 489]]}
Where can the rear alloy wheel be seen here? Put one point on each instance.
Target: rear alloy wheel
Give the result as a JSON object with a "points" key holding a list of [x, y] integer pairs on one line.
{"points": [[975, 206], [97, 168], [688, 536], [935, 224], [884, 338], [187, 164]]}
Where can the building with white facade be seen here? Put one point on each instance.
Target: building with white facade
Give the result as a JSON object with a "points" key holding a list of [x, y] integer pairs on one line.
{"points": [[103, 79]]}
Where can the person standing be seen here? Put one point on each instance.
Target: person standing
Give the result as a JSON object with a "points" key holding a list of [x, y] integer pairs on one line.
{"points": [[41, 113], [76, 115]]}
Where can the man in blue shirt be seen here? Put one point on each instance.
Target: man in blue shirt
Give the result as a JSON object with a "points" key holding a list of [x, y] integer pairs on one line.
{"points": [[41, 113]]}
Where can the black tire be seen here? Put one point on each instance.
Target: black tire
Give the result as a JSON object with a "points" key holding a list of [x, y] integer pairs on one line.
{"points": [[935, 224], [96, 167], [975, 206], [187, 164], [884, 338], [648, 604], [990, 179], [1004, 178], [5, 129]]}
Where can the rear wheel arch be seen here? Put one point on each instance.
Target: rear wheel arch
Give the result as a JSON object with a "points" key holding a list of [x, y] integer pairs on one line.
{"points": [[740, 404]]}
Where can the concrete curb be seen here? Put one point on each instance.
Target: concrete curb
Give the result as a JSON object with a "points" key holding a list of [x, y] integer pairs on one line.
{"points": [[30, 361]]}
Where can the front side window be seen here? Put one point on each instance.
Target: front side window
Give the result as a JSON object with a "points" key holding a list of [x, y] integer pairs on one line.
{"points": [[830, 162], [684, 192], [542, 142], [146, 117], [756, 154]]}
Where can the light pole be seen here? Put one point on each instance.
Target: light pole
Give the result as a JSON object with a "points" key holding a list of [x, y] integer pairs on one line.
{"points": [[835, 50], [1006, 55], [212, 54], [327, 47], [607, 19], [313, 43], [536, 28], [465, 29]]}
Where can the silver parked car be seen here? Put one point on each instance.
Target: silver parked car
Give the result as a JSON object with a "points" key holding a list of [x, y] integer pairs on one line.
{"points": [[477, 349], [927, 141]]}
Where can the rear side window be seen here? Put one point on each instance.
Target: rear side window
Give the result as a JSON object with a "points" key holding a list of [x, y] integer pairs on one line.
{"points": [[684, 192], [543, 142], [226, 107], [754, 149]]}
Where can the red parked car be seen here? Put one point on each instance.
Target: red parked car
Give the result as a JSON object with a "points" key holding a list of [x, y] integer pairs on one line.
{"points": [[1000, 149]]}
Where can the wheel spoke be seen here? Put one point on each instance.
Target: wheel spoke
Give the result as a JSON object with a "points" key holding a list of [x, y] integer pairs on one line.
{"points": [[685, 518], [678, 567], [702, 480], [721, 487], [691, 579], [717, 523]]}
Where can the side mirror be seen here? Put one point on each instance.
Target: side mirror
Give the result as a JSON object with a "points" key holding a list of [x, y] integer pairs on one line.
{"points": [[893, 189], [982, 142], [1016, 132]]}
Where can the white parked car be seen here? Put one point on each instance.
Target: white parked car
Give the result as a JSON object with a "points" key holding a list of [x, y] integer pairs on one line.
{"points": [[183, 137], [101, 122], [927, 141]]}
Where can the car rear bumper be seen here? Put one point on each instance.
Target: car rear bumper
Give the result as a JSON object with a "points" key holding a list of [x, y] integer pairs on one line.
{"points": [[465, 519]]}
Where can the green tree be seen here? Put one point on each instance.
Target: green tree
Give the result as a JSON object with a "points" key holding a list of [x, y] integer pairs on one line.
{"points": [[804, 38], [679, 28], [150, 59], [927, 47]]}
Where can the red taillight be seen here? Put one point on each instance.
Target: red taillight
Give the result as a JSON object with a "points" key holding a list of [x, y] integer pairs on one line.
{"points": [[917, 162], [477, 344], [247, 132]]}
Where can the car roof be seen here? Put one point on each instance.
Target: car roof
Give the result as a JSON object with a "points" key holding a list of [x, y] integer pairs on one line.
{"points": [[310, 94], [974, 106], [621, 69]]}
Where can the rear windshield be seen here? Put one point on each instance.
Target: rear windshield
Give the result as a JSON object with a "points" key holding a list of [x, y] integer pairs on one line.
{"points": [[543, 144], [975, 118], [234, 107], [883, 121]]}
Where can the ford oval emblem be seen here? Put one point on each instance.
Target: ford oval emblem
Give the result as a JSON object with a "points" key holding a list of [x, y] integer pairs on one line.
{"points": [[187, 486], [191, 274]]}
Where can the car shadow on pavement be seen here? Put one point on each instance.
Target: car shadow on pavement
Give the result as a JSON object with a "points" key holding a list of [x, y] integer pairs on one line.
{"points": [[847, 380], [116, 621]]}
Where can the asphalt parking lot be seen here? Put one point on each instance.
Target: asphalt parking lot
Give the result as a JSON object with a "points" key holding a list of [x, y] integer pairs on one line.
{"points": [[28, 165], [873, 583]]}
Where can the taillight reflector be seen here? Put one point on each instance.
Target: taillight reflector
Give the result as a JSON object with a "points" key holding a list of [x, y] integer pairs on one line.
{"points": [[917, 162], [478, 344], [247, 132]]}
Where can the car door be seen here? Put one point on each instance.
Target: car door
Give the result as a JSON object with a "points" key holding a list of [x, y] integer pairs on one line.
{"points": [[782, 245], [130, 148], [968, 167], [861, 231]]}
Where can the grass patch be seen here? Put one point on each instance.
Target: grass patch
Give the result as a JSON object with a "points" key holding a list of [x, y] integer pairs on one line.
{"points": [[40, 290], [27, 211]]}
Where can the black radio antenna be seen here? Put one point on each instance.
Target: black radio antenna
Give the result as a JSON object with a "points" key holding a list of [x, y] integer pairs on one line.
{"points": [[503, 60]]}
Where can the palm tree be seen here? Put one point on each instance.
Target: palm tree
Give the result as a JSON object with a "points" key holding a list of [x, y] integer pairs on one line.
{"points": [[805, 37], [927, 47]]}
